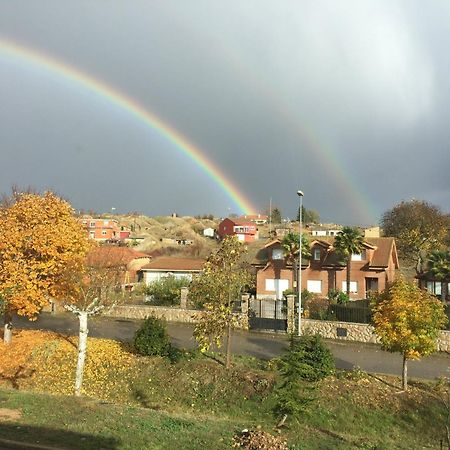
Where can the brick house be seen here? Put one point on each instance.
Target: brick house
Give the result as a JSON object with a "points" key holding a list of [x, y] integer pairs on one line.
{"points": [[101, 229], [245, 230], [370, 271]]}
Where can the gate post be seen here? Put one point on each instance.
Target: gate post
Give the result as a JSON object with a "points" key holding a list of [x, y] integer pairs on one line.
{"points": [[290, 314], [184, 296]]}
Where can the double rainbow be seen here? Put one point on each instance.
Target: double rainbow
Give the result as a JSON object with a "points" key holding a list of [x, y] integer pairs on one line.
{"points": [[33, 58]]}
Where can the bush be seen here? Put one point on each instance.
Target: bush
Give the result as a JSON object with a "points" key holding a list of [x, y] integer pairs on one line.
{"points": [[167, 291], [318, 308], [338, 297], [307, 361], [152, 339]]}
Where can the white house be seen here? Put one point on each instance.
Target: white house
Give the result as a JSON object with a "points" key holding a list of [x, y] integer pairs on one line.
{"points": [[170, 266]]}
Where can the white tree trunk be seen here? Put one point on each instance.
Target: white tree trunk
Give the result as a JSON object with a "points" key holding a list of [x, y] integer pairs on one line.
{"points": [[82, 345], [7, 333]]}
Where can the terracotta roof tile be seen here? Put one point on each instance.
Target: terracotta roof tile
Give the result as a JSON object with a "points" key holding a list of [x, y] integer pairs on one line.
{"points": [[175, 264]]}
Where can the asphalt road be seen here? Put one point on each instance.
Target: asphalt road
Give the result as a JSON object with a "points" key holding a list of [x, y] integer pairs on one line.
{"points": [[348, 355]]}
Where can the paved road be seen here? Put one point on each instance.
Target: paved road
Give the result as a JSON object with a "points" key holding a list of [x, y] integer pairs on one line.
{"points": [[368, 357]]}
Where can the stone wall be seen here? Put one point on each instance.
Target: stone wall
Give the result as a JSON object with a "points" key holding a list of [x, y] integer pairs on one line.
{"points": [[357, 332], [345, 331], [161, 312]]}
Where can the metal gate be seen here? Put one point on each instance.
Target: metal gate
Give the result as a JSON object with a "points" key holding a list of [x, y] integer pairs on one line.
{"points": [[267, 314]]}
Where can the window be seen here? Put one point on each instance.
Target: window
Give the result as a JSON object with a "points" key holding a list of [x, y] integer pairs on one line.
{"points": [[277, 253], [359, 256], [353, 287], [103, 232], [92, 224], [270, 284], [316, 255], [314, 286]]}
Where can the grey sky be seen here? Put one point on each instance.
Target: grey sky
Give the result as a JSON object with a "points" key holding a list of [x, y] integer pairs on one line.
{"points": [[347, 100]]}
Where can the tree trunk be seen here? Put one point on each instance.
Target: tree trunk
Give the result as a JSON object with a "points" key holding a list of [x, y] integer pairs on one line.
{"points": [[444, 289], [82, 345], [405, 374], [7, 331], [348, 276], [228, 350]]}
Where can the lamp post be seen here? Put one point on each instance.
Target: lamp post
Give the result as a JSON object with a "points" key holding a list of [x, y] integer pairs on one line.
{"points": [[299, 282]]}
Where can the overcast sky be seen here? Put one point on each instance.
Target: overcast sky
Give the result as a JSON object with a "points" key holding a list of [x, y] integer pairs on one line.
{"points": [[346, 100]]}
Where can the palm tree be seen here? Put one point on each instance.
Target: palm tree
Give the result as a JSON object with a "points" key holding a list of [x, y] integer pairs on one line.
{"points": [[347, 243], [439, 267], [291, 247]]}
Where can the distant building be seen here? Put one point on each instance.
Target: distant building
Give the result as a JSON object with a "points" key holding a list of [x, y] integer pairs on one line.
{"points": [[209, 232], [372, 232], [101, 229], [245, 230], [259, 219]]}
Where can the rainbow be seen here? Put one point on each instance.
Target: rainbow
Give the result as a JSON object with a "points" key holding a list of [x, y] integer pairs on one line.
{"points": [[40, 60]]}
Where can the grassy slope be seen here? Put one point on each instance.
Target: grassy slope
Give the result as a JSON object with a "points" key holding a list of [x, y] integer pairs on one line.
{"points": [[196, 404]]}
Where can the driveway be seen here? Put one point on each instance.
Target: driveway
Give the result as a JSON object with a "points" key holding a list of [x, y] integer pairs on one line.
{"points": [[368, 357]]}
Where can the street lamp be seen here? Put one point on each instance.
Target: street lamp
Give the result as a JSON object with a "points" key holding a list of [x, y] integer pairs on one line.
{"points": [[299, 282]]}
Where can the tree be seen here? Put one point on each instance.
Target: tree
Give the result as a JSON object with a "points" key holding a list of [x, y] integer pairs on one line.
{"points": [[92, 291], [418, 227], [41, 241], [308, 215], [439, 267], [275, 215], [222, 281], [407, 320], [347, 243], [291, 246]]}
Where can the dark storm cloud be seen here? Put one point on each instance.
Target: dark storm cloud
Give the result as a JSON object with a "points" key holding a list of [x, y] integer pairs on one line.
{"points": [[346, 100]]}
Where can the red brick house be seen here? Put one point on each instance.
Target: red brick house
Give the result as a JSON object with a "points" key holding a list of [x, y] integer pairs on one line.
{"points": [[245, 230], [324, 270], [101, 229]]}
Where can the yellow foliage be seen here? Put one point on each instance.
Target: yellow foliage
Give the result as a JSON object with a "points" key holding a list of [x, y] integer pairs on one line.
{"points": [[46, 361], [41, 243]]}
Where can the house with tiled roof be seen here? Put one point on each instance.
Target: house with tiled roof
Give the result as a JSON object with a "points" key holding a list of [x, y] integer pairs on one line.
{"points": [[170, 266], [371, 270], [245, 230], [129, 261]]}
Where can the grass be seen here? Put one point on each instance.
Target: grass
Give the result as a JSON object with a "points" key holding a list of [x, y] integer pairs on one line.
{"points": [[134, 402]]}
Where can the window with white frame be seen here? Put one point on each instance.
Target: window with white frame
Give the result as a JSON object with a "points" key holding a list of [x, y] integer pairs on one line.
{"points": [[270, 284], [314, 286], [316, 254], [353, 287], [92, 224], [103, 232]]}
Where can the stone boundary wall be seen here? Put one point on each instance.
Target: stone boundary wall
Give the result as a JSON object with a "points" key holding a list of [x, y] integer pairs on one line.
{"points": [[161, 312], [357, 332]]}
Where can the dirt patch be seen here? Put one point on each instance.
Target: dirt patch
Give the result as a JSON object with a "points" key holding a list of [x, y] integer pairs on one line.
{"points": [[9, 414]]}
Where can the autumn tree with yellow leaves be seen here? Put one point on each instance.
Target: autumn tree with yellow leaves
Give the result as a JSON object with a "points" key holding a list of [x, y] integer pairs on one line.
{"points": [[222, 281], [407, 320], [41, 243]]}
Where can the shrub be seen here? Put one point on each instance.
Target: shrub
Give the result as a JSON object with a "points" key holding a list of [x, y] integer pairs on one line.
{"points": [[152, 339], [167, 291], [318, 308], [306, 361], [338, 297]]}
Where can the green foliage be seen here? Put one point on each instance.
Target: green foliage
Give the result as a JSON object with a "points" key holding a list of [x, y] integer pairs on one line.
{"points": [[152, 339], [167, 291], [307, 361], [317, 307], [276, 215], [418, 227], [308, 215], [439, 268], [222, 281], [338, 297]]}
